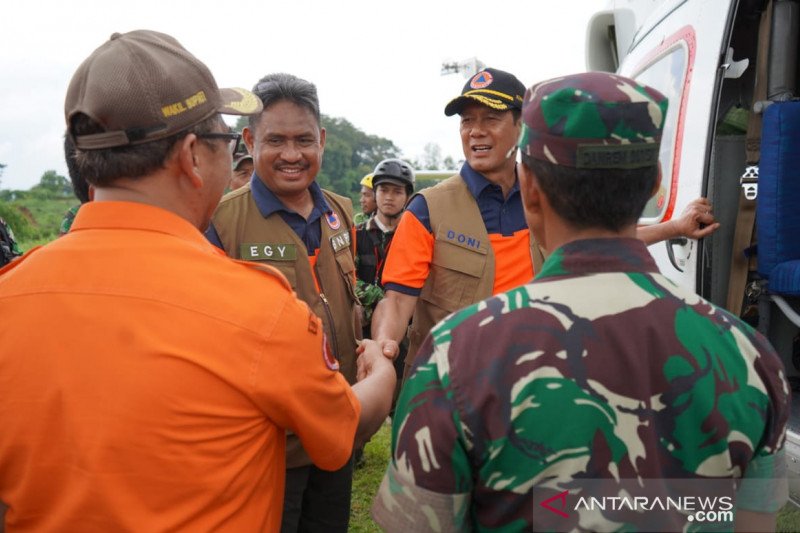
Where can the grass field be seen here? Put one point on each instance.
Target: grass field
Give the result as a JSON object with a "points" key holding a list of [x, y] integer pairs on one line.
{"points": [[367, 479], [36, 221]]}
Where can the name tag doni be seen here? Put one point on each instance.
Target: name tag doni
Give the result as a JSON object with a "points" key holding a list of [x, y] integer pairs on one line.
{"points": [[461, 239]]}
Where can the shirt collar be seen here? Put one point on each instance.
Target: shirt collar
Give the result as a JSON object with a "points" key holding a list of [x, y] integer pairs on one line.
{"points": [[477, 182], [137, 216], [268, 203], [595, 256]]}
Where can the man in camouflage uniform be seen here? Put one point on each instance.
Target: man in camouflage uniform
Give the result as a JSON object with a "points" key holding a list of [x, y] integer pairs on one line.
{"points": [[8, 244], [601, 377]]}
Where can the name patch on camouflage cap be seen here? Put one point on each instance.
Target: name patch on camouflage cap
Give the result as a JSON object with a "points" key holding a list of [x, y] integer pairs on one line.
{"points": [[622, 156], [593, 120], [268, 252]]}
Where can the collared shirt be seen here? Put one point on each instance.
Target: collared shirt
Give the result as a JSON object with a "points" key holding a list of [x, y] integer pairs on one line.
{"points": [[408, 266], [147, 386], [307, 229], [599, 370]]}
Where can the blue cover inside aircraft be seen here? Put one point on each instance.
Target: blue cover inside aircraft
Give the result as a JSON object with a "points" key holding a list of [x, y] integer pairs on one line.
{"points": [[778, 203]]}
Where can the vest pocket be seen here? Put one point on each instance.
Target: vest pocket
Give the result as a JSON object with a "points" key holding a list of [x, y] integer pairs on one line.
{"points": [[347, 268], [455, 275]]}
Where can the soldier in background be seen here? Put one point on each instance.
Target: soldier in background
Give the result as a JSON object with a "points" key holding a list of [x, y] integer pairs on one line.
{"points": [[367, 200], [8, 244], [600, 371], [242, 171]]}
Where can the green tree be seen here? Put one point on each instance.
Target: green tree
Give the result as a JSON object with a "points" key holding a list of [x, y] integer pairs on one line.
{"points": [[349, 155], [241, 122], [16, 221], [2, 166], [53, 184], [431, 157]]}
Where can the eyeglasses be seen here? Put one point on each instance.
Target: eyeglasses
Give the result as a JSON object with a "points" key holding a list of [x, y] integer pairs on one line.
{"points": [[233, 139]]}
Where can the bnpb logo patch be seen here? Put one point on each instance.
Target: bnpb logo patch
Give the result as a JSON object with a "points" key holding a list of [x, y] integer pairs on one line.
{"points": [[327, 356], [333, 220], [481, 80]]}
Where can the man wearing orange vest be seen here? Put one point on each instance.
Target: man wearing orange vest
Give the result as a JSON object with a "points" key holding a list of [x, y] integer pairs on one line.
{"points": [[466, 239]]}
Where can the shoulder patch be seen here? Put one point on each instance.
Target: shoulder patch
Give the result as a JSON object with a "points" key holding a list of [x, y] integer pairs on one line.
{"points": [[333, 220], [340, 241]]}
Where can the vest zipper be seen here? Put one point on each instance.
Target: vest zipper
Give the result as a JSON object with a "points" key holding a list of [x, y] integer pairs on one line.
{"points": [[327, 307]]}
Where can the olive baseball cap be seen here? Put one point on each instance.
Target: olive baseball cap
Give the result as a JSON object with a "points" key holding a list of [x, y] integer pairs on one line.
{"points": [[593, 120], [142, 86], [241, 159], [491, 87]]}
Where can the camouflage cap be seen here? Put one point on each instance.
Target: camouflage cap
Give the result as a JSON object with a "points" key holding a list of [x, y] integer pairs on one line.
{"points": [[241, 159], [593, 120]]}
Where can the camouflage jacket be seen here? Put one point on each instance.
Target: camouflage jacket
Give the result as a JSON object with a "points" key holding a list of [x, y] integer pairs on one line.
{"points": [[8, 244], [69, 218], [599, 378], [372, 244], [360, 218]]}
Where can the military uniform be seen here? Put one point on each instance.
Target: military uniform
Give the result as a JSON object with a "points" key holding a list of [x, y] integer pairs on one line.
{"points": [[372, 244], [8, 244], [535, 362], [601, 382], [69, 218], [360, 218]]}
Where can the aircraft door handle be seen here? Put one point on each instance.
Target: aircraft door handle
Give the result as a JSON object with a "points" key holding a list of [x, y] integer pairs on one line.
{"points": [[678, 241]]}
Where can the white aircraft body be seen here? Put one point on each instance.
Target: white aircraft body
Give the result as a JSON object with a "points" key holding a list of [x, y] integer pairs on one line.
{"points": [[705, 55]]}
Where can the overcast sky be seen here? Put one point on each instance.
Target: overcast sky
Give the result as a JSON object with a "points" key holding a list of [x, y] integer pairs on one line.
{"points": [[376, 63]]}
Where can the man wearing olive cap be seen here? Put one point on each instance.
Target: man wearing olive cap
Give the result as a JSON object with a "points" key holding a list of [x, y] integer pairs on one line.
{"points": [[544, 407], [136, 395], [242, 171]]}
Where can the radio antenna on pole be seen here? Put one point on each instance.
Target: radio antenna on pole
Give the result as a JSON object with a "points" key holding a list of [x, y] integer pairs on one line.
{"points": [[466, 68]]}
